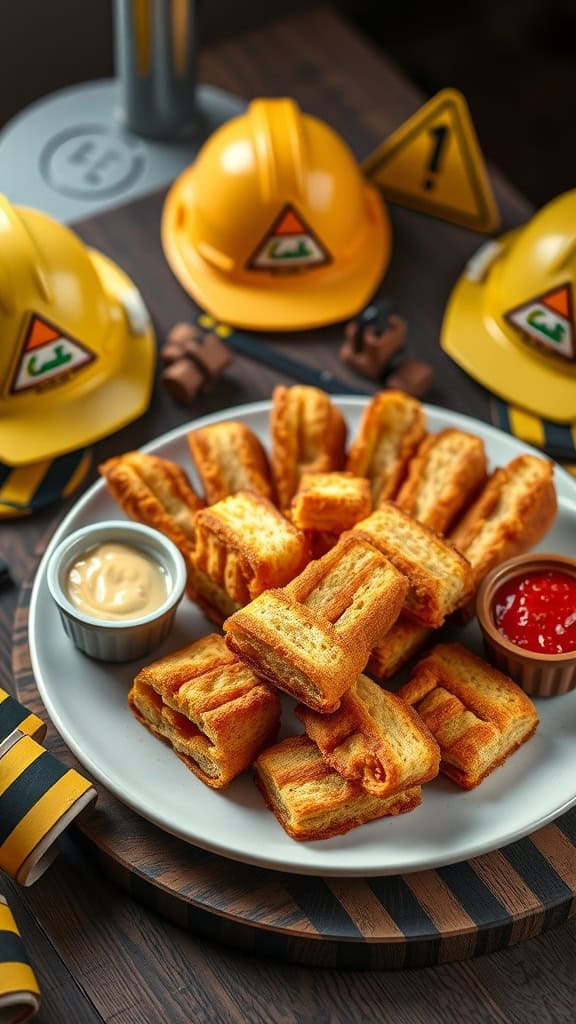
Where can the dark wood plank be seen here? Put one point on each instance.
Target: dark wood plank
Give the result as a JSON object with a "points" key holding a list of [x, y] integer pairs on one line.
{"points": [[135, 967]]}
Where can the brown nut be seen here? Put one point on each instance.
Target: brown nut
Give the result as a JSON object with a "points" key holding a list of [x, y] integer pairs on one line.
{"points": [[189, 348], [375, 349], [211, 356], [170, 352], [184, 332], [412, 376], [183, 380]]}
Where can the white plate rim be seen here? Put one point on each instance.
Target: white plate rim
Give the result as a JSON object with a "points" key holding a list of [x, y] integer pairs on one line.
{"points": [[566, 488]]}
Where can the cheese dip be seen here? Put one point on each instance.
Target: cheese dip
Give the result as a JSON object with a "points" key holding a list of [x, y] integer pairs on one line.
{"points": [[116, 581]]}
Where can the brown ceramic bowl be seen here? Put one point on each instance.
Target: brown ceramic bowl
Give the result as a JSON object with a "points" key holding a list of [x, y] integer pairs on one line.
{"points": [[540, 675]]}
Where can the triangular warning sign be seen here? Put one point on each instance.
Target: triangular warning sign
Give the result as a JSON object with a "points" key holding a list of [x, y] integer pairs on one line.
{"points": [[548, 319], [47, 355], [433, 163], [289, 245]]}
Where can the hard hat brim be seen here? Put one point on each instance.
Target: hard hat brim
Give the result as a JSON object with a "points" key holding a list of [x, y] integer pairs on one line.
{"points": [[507, 367], [78, 422], [301, 301]]}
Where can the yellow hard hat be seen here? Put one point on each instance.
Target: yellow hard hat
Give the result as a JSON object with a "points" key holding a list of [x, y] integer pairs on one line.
{"points": [[509, 321], [274, 226], [77, 350]]}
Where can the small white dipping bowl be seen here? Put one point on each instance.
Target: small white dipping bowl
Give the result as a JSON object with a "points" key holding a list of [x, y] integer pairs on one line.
{"points": [[126, 639]]}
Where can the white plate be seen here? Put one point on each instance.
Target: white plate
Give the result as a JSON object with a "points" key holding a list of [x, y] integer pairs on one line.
{"points": [[86, 700]]}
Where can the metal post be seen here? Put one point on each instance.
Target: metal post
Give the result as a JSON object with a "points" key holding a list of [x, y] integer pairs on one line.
{"points": [[156, 66]]}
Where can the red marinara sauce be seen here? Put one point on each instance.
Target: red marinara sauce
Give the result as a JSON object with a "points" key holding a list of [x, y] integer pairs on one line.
{"points": [[537, 611]]}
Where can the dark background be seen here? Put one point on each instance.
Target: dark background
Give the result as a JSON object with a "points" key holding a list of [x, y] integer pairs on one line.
{"points": [[514, 60]]}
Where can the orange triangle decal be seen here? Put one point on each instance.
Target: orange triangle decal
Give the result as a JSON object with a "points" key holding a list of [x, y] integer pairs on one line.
{"points": [[39, 333], [290, 225], [289, 246], [48, 355], [559, 301]]}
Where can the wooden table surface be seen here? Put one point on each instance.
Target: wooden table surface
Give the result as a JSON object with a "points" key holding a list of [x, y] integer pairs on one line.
{"points": [[98, 954]]}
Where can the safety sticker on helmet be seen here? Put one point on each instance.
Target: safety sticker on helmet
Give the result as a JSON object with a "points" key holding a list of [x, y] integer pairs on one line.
{"points": [[289, 245], [548, 319], [47, 354]]}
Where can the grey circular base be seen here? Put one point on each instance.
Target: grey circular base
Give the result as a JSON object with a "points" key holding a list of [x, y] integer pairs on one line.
{"points": [[69, 155]]}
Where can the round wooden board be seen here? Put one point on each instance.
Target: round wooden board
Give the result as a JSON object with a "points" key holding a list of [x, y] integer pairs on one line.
{"points": [[414, 920]]}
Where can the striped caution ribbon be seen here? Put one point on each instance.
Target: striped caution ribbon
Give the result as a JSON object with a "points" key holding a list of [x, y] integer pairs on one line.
{"points": [[26, 489], [39, 797], [14, 715], [558, 440], [19, 992]]}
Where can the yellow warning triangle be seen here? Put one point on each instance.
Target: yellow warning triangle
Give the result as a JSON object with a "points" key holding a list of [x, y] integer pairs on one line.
{"points": [[433, 163]]}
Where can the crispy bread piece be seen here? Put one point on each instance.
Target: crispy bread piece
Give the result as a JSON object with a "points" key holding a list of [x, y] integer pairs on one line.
{"points": [[244, 546], [311, 800], [402, 642], [478, 715], [444, 476], [512, 513], [156, 492], [313, 637], [354, 587], [438, 573], [307, 432], [330, 502], [320, 542], [375, 739], [392, 426], [214, 712], [229, 458]]}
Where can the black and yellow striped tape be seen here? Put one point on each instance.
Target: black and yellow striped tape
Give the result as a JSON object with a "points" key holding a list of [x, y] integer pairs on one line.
{"points": [[14, 715], [25, 489], [558, 440], [39, 797], [19, 992]]}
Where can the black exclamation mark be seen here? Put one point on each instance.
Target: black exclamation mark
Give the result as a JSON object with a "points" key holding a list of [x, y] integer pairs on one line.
{"points": [[439, 137]]}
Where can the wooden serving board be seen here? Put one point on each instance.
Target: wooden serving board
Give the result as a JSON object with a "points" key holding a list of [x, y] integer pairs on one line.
{"points": [[415, 920]]}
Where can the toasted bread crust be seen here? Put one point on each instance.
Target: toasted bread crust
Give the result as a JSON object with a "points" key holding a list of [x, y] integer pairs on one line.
{"points": [[403, 641], [355, 588], [320, 542], [308, 433], [512, 513], [392, 426], [313, 637], [244, 546], [214, 712], [229, 458], [478, 715], [437, 572], [212, 598], [311, 801], [375, 739], [330, 502], [444, 476], [156, 492]]}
